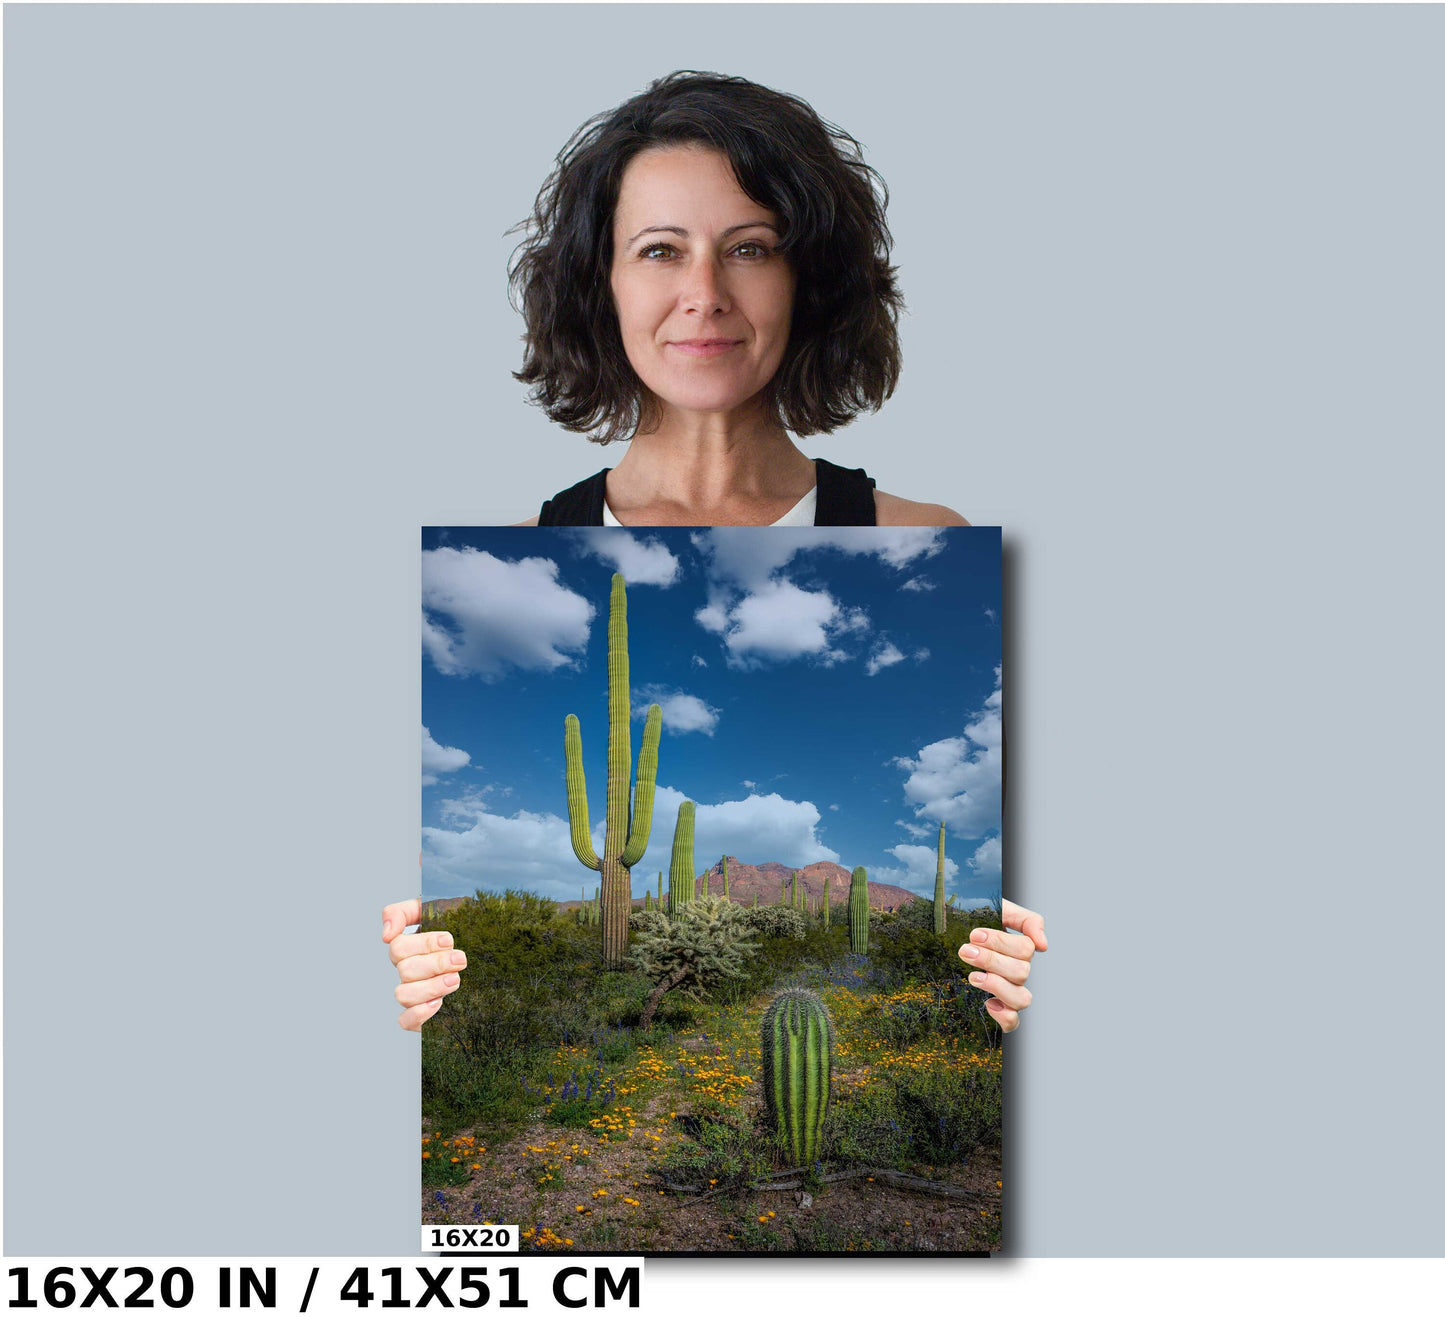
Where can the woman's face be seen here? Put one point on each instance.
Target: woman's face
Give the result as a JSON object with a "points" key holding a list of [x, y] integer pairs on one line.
{"points": [[703, 297]]}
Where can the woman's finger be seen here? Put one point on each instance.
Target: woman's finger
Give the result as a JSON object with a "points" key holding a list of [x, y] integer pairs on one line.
{"points": [[1006, 1019], [423, 990], [415, 1016], [418, 944], [402, 915], [434, 964], [1028, 922], [1002, 953], [1013, 995]]}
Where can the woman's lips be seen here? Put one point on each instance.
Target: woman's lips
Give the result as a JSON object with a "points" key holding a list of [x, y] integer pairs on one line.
{"points": [[705, 347]]}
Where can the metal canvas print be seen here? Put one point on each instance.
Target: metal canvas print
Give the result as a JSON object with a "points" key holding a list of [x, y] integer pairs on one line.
{"points": [[710, 813]]}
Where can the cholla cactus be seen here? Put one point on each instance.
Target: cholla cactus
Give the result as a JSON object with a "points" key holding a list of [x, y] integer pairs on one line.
{"points": [[706, 941], [797, 1051], [629, 813]]}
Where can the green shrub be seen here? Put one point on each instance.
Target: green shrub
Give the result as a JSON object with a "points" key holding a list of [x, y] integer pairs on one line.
{"points": [[722, 1149], [936, 1117], [778, 921], [459, 1089]]}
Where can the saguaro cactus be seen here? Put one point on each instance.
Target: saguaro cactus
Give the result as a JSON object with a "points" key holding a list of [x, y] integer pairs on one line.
{"points": [[940, 912], [858, 911], [706, 875], [629, 813], [682, 882], [727, 895], [827, 901], [797, 1051]]}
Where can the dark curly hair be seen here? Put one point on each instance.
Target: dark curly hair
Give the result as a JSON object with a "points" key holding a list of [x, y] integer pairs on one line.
{"points": [[842, 354]]}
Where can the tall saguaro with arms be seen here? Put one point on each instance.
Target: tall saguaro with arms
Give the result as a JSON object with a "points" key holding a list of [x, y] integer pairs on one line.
{"points": [[629, 814]]}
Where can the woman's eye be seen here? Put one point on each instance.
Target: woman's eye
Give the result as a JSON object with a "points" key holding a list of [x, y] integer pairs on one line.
{"points": [[647, 253], [751, 250]]}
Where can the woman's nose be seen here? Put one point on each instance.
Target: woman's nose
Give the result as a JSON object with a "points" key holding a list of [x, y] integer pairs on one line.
{"points": [[705, 290]]}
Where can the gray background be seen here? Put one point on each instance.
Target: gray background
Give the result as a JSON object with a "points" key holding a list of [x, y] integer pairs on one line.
{"points": [[1175, 283]]}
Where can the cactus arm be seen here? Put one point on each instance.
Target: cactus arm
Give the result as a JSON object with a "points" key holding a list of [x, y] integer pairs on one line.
{"points": [[577, 795], [641, 826]]}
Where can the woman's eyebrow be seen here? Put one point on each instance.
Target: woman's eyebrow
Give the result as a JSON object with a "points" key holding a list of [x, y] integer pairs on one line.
{"points": [[683, 233]]}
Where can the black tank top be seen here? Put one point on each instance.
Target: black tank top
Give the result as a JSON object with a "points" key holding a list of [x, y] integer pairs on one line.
{"points": [[845, 498]]}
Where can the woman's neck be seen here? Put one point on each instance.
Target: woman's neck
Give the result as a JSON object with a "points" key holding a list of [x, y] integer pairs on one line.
{"points": [[709, 470]]}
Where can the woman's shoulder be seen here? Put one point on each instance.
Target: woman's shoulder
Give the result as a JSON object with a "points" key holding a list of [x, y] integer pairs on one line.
{"points": [[895, 511], [531, 521]]}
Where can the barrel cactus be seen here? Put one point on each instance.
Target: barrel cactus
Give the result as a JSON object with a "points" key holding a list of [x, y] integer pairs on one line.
{"points": [[858, 912], [797, 1051]]}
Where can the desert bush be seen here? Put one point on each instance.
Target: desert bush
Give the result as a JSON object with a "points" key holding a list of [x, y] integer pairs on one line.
{"points": [[722, 1150], [777, 921], [934, 1116], [460, 1089]]}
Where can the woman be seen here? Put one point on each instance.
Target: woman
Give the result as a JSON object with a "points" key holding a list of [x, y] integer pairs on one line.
{"points": [[705, 272]]}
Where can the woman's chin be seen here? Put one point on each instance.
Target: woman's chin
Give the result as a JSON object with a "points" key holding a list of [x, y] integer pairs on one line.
{"points": [[696, 401]]}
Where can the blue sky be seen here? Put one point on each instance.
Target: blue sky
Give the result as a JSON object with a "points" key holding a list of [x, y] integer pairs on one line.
{"points": [[827, 694]]}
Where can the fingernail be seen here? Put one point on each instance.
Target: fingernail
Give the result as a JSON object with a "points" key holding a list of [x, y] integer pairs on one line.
{"points": [[976, 980], [451, 980], [444, 939], [385, 926], [459, 959], [978, 935], [968, 952]]}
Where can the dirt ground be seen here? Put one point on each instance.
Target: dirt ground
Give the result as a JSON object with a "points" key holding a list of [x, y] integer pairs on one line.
{"points": [[573, 1191]]}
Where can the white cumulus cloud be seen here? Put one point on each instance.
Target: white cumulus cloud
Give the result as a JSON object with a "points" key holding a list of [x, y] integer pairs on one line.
{"points": [[959, 781], [525, 850], [987, 861], [764, 616], [755, 829], [681, 712], [439, 759], [885, 656], [781, 621], [918, 583], [482, 615], [534, 851], [919, 869], [642, 562], [739, 554]]}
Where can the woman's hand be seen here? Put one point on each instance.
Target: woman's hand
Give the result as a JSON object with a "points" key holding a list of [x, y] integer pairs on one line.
{"points": [[428, 964], [1001, 961]]}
